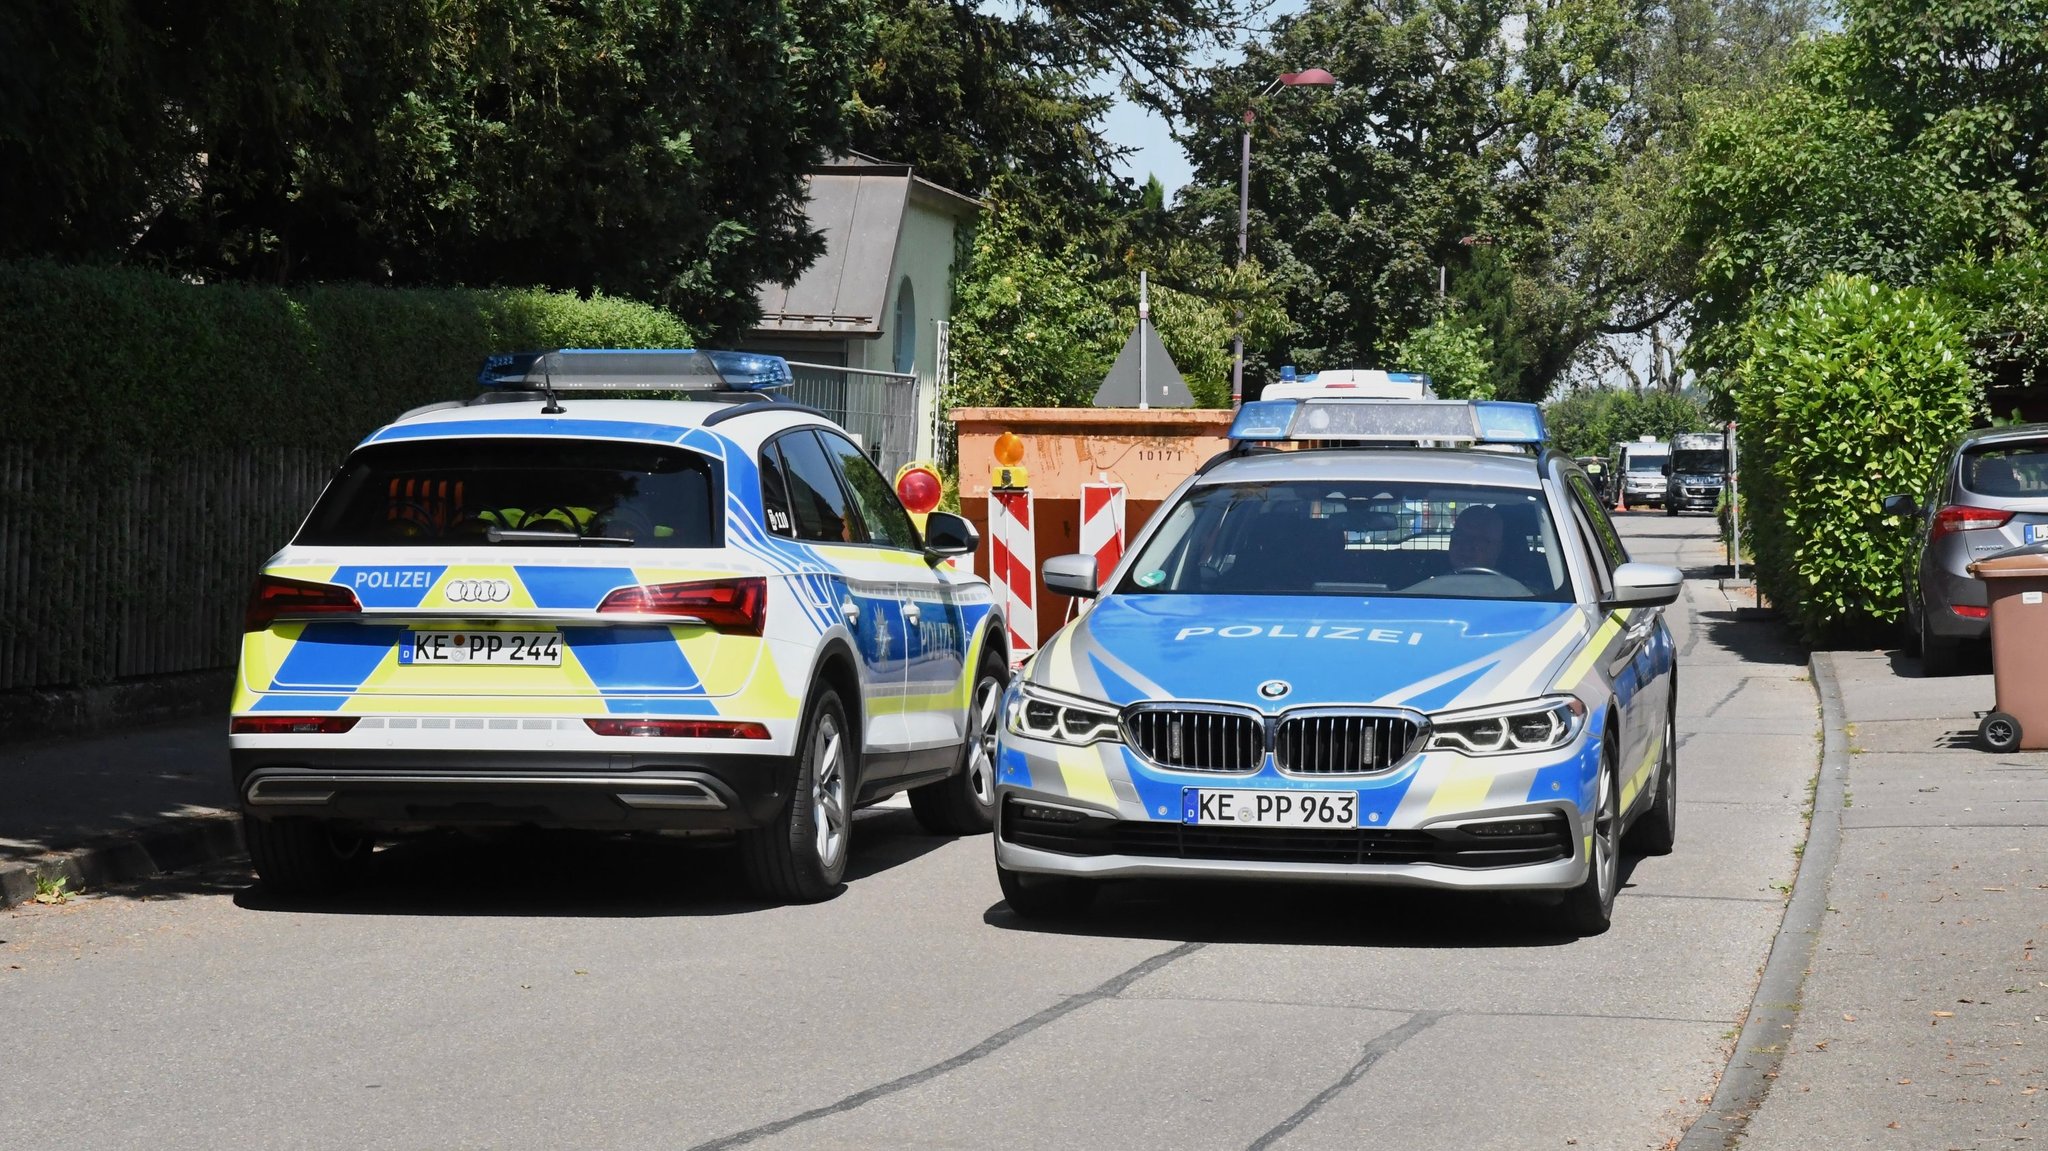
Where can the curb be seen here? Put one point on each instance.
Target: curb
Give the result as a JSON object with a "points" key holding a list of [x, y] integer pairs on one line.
{"points": [[1775, 1006], [140, 854]]}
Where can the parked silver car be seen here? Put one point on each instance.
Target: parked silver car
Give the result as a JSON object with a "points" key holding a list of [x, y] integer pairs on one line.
{"points": [[1990, 494]]}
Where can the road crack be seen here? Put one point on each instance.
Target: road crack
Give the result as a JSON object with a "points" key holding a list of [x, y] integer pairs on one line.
{"points": [[1108, 989], [1375, 1051]]}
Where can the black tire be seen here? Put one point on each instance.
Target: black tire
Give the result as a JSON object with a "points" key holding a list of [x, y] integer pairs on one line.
{"points": [[1670, 508], [964, 803], [1938, 655], [1589, 907], [1656, 831], [1909, 630], [800, 855], [1045, 896], [304, 856], [2000, 732]]}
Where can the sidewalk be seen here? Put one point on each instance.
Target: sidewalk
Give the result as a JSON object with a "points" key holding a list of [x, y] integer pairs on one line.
{"points": [[1923, 1020], [115, 807]]}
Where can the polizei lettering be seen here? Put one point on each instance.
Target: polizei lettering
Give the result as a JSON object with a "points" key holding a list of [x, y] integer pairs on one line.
{"points": [[1304, 631], [394, 578]]}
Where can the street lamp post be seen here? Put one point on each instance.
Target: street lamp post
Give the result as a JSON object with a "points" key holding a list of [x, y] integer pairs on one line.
{"points": [[1307, 77]]}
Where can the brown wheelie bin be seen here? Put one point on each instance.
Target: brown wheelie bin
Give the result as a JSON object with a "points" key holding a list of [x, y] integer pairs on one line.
{"points": [[2016, 587]]}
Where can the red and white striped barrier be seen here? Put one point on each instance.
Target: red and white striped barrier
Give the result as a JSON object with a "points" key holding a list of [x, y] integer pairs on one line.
{"points": [[1102, 526], [1013, 567]]}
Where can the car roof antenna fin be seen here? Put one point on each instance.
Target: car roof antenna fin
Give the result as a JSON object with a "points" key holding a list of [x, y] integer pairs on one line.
{"points": [[547, 385]]}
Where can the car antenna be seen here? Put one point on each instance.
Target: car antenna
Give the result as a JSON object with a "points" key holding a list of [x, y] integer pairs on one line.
{"points": [[547, 385]]}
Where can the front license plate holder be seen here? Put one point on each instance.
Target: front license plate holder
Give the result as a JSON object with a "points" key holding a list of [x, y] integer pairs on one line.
{"points": [[487, 648], [1262, 807]]}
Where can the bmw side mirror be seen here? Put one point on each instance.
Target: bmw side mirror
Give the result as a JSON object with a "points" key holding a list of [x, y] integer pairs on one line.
{"points": [[1072, 575], [1645, 585], [946, 534], [1901, 505]]}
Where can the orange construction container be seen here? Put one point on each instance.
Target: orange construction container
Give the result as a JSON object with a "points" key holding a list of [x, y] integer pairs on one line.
{"points": [[2016, 587]]}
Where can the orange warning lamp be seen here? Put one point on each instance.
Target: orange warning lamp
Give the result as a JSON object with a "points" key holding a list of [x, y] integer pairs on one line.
{"points": [[919, 487], [1009, 472], [1009, 449]]}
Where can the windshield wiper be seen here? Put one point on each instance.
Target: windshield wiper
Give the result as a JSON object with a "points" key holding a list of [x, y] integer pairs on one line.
{"points": [[516, 536]]}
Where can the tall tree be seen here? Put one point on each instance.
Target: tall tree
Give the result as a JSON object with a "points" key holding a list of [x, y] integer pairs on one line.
{"points": [[647, 149]]}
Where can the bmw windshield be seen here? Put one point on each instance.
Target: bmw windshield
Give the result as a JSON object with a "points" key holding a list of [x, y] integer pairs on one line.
{"points": [[1355, 538]]}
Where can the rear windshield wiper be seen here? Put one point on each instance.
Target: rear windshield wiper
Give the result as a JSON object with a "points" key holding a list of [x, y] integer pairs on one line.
{"points": [[499, 535]]}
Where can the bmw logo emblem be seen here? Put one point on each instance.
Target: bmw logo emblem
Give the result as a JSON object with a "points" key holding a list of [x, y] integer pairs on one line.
{"points": [[1275, 688]]}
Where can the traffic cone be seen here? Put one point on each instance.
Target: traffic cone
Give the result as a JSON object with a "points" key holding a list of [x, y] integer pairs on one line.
{"points": [[1620, 498]]}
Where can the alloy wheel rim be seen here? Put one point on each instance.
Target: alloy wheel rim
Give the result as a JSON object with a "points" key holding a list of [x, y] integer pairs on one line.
{"points": [[1605, 821], [981, 748], [828, 795]]}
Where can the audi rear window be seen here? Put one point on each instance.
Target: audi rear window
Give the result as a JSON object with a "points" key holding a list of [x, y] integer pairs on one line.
{"points": [[515, 492]]}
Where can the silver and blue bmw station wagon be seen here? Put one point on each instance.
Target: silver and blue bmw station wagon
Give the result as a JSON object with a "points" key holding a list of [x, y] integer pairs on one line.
{"points": [[1377, 641]]}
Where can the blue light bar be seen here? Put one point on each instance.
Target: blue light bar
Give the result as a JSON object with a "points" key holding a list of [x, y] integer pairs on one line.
{"points": [[1390, 421], [635, 370], [1501, 422], [1263, 420]]}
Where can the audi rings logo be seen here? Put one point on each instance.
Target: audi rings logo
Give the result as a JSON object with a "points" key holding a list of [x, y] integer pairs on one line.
{"points": [[478, 590]]}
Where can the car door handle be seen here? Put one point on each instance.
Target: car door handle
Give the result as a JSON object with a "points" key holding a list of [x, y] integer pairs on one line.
{"points": [[851, 611]]}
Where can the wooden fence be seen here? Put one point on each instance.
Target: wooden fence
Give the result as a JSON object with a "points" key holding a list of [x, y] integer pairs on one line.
{"points": [[139, 565]]}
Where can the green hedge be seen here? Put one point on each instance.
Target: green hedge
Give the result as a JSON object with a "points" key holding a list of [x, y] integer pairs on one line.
{"points": [[1849, 394], [117, 357]]}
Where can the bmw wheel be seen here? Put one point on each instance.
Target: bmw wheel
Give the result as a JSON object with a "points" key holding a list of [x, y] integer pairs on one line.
{"points": [[1589, 908], [965, 803], [800, 855], [1656, 832]]}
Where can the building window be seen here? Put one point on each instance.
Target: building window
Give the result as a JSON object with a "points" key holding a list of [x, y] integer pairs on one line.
{"points": [[906, 327]]}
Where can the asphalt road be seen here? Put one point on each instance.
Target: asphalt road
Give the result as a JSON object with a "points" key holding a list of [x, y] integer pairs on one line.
{"points": [[560, 991]]}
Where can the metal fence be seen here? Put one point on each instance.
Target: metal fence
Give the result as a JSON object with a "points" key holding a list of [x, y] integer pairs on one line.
{"points": [[880, 408], [137, 566]]}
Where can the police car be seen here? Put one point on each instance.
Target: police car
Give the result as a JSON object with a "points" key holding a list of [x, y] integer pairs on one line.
{"points": [[681, 615], [1361, 660]]}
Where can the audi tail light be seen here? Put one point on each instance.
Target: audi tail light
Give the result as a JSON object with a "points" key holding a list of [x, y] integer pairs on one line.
{"points": [[290, 724], [680, 728], [1964, 518], [738, 606], [276, 596]]}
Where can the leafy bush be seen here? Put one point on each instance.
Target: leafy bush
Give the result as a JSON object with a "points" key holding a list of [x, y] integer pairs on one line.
{"points": [[1849, 394], [1454, 352], [117, 357], [1588, 422]]}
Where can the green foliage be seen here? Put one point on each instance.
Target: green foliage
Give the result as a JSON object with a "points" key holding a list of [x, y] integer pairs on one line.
{"points": [[1029, 329], [1456, 354], [654, 150], [120, 358], [1848, 395], [1793, 185], [1591, 421]]}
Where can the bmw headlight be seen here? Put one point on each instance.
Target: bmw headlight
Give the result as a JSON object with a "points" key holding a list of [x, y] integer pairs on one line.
{"points": [[1041, 713], [1533, 725]]}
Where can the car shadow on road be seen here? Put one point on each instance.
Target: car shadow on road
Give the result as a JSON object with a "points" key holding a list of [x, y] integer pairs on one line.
{"points": [[1313, 915], [549, 874]]}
